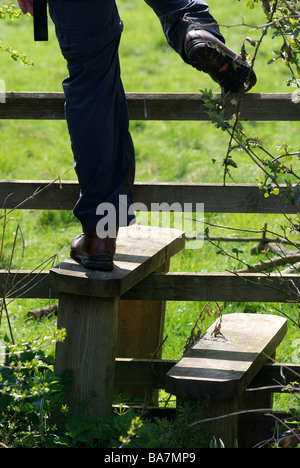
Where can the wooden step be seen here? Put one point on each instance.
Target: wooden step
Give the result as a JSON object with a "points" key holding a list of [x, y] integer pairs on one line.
{"points": [[140, 251], [223, 365]]}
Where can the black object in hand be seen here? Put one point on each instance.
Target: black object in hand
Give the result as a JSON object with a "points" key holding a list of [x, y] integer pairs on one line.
{"points": [[40, 22]]}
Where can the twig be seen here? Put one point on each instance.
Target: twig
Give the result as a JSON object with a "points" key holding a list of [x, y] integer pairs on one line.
{"points": [[252, 26], [236, 413], [267, 240], [265, 265]]}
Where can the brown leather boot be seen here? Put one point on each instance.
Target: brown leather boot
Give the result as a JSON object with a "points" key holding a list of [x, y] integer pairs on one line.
{"points": [[93, 252], [207, 53]]}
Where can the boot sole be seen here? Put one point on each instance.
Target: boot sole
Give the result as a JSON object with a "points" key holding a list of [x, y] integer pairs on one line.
{"points": [[233, 75]]}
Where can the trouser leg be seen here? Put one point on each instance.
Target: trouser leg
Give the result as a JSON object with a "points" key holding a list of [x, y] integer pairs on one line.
{"points": [[194, 34], [88, 32], [177, 17]]}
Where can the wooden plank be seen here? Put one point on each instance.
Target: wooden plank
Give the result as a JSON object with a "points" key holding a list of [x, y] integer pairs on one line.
{"points": [[189, 106], [156, 106], [223, 366], [217, 286], [38, 194], [33, 105], [140, 251], [141, 373], [151, 373], [26, 284], [51, 106], [217, 198], [233, 198], [179, 286]]}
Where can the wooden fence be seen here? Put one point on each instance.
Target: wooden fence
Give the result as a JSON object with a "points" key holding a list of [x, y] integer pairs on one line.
{"points": [[162, 286]]}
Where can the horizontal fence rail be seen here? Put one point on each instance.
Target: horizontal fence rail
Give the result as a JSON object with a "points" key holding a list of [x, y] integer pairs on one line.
{"points": [[157, 106], [217, 198], [142, 373], [181, 286]]}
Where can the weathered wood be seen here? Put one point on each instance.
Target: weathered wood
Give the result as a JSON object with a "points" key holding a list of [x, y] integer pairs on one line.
{"points": [[217, 198], [93, 313], [249, 401], [38, 194], [142, 373], [140, 250], [189, 106], [217, 286], [222, 366], [42, 311], [26, 284], [33, 105], [150, 373], [156, 106], [233, 198], [179, 286], [89, 303], [88, 351], [140, 335], [144, 316]]}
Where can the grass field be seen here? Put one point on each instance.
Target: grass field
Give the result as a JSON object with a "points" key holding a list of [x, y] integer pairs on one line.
{"points": [[165, 151]]}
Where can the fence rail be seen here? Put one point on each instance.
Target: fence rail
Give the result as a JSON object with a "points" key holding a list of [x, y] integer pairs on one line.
{"points": [[156, 106], [217, 198], [179, 286]]}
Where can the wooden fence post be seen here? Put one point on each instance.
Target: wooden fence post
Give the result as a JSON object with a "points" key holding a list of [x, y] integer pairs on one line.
{"points": [[89, 350]]}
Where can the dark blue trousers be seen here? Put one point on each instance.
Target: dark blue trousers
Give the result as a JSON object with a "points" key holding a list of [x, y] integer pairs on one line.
{"points": [[88, 33]]}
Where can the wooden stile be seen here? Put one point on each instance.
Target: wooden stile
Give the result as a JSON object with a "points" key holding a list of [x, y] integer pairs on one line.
{"points": [[107, 317], [89, 304]]}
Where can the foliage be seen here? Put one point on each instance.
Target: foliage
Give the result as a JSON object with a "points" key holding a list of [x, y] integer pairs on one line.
{"points": [[278, 165], [12, 13], [282, 22], [29, 393], [130, 429], [9, 11]]}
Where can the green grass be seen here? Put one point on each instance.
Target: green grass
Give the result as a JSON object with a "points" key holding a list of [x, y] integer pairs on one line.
{"points": [[165, 151]]}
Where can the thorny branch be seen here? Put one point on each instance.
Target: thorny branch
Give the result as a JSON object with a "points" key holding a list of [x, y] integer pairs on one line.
{"points": [[283, 22]]}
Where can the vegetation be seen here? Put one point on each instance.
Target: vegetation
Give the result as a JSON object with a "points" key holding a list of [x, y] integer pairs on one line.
{"points": [[266, 153]]}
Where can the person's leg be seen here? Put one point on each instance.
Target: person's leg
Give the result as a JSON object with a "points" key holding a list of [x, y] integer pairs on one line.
{"points": [[178, 17], [194, 34], [88, 32]]}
